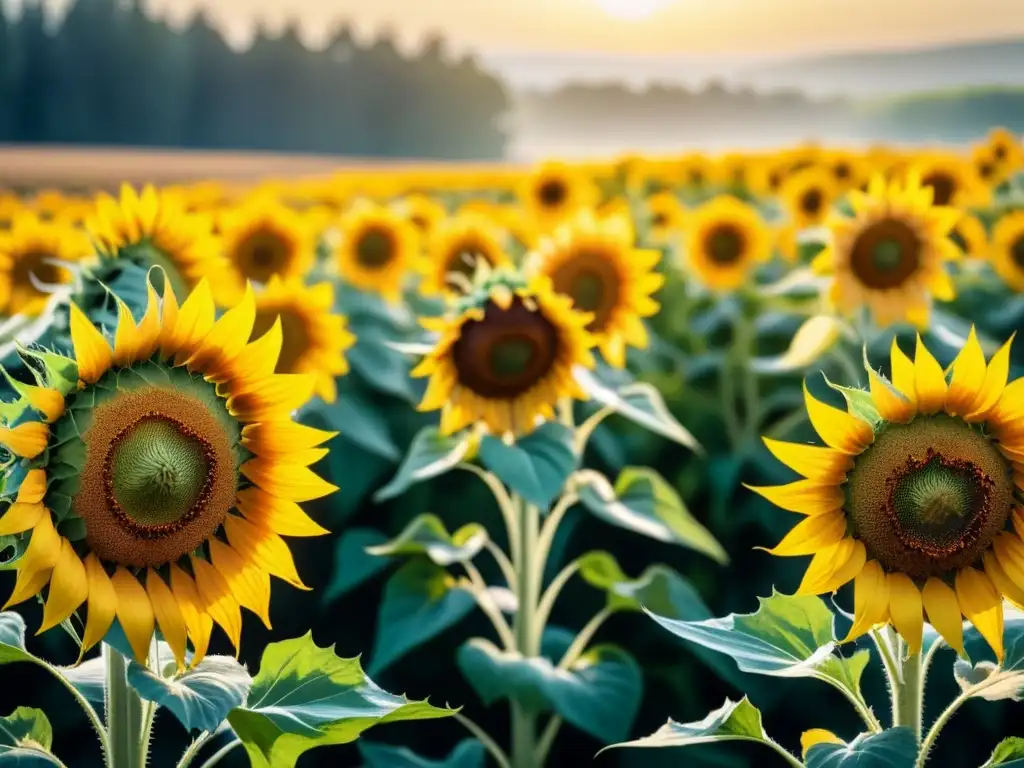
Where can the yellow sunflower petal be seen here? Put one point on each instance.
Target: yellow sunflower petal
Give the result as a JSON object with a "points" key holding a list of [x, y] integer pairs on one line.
{"points": [[844, 570], [168, 615], [814, 462], [134, 612], [193, 611], [92, 352], [870, 600], [286, 481], [929, 380], [982, 604], [36, 564], [249, 584], [263, 547], [68, 588], [891, 405], [815, 736], [21, 517], [808, 497], [902, 372], [218, 600], [283, 517], [824, 565], [26, 440], [49, 402], [226, 340], [193, 322], [282, 438], [940, 602], [124, 336], [905, 608], [839, 429], [968, 376], [995, 383], [147, 335], [258, 358], [1002, 581], [33, 487], [812, 534], [102, 603]]}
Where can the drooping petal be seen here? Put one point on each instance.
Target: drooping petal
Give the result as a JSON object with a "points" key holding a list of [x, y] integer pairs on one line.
{"points": [[940, 602], [285, 518], [168, 615], [892, 406], [33, 487], [839, 429], [870, 600], [35, 566], [1006, 586], [929, 380], [995, 383], [968, 376], [982, 604], [248, 582], [49, 402], [906, 610], [824, 565], [263, 547], [193, 611], [807, 497], [220, 603], [812, 534], [92, 352], [134, 612], [102, 603], [26, 440], [68, 588], [814, 462], [286, 481], [844, 570], [21, 517]]}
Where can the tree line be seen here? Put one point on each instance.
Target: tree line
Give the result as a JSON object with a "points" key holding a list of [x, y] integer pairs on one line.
{"points": [[110, 74]]}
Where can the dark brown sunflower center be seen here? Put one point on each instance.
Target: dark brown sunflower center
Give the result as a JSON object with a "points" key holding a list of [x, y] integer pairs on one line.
{"points": [[725, 244], [36, 267], [262, 254], [294, 335], [507, 352], [943, 186], [959, 240], [593, 283], [999, 152], [159, 477], [552, 193], [659, 219], [811, 202], [885, 254], [986, 170], [696, 177], [375, 248], [774, 180], [842, 171], [420, 222], [465, 257], [928, 497], [1017, 251]]}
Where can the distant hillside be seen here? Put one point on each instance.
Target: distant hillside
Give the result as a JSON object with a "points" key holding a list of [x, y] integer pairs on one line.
{"points": [[987, 63]]}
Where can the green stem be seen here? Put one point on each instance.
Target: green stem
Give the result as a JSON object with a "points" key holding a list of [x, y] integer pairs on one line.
{"points": [[909, 705], [489, 607], [751, 391], [586, 429], [489, 744], [124, 715], [885, 651], [785, 754], [193, 749], [221, 753], [547, 602], [507, 571], [579, 644], [947, 714], [526, 629], [90, 712], [547, 738]]}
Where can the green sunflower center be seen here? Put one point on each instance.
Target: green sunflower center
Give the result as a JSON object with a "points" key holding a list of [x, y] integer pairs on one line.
{"points": [[928, 497], [375, 248], [1017, 251], [888, 255], [725, 245], [511, 357], [591, 279], [158, 471]]}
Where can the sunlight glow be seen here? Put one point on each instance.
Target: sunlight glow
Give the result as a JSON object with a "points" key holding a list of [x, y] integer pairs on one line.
{"points": [[632, 10]]}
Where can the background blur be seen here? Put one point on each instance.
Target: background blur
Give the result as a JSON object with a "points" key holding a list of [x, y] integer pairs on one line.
{"points": [[509, 80]]}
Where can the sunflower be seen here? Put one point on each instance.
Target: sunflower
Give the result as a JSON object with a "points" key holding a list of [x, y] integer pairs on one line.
{"points": [[953, 180], [553, 191], [262, 237], [1006, 251], [891, 256], [696, 171], [970, 237], [378, 248], [153, 480], [153, 228], [769, 174], [725, 239], [665, 216], [506, 357], [314, 339], [424, 212], [10, 205], [594, 263], [808, 196], [848, 169], [989, 169], [29, 252], [1006, 149], [918, 507], [457, 247]]}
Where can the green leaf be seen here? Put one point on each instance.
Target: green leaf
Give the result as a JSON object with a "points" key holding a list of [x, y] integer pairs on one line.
{"points": [[201, 697], [468, 753], [1008, 752], [426, 535], [11, 550], [733, 721], [599, 694], [420, 601], [305, 697], [352, 564], [89, 678], [642, 501], [361, 422], [12, 639], [431, 454], [25, 739], [377, 365], [536, 466], [892, 748], [642, 404], [601, 570], [788, 636], [859, 402], [987, 679]]}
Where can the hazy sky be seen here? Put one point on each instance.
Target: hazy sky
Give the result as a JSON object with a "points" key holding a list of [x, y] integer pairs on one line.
{"points": [[727, 27]]}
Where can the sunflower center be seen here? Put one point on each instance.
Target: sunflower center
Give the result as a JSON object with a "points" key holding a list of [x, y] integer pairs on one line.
{"points": [[943, 186], [725, 245], [591, 280], [696, 178], [375, 248], [842, 171], [959, 241], [928, 497], [811, 201], [420, 222], [659, 220], [507, 352], [552, 193], [262, 254], [37, 263], [464, 259], [158, 470], [999, 152], [1017, 251], [885, 254], [985, 170]]}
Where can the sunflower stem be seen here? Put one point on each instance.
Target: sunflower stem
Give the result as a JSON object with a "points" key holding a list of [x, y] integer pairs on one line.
{"points": [[527, 634], [124, 715], [908, 705]]}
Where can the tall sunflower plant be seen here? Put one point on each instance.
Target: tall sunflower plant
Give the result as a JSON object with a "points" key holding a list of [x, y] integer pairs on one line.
{"points": [[512, 367], [149, 478]]}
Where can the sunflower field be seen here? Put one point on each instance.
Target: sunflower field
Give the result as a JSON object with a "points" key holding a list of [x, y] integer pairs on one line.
{"points": [[556, 452]]}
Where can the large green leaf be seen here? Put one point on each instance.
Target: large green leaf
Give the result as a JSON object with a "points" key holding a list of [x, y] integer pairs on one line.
{"points": [[89, 678], [361, 422], [788, 636], [375, 362], [468, 753], [640, 403], [201, 697], [305, 697], [12, 638], [986, 679], [599, 694], [420, 601], [536, 466], [892, 748], [25, 740], [431, 454], [642, 501], [1009, 753], [426, 535], [352, 563]]}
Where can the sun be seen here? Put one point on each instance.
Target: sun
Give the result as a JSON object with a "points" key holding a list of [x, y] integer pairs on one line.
{"points": [[632, 10]]}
